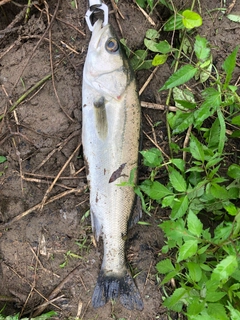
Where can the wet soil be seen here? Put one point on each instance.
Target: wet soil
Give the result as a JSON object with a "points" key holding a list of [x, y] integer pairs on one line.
{"points": [[47, 251]]}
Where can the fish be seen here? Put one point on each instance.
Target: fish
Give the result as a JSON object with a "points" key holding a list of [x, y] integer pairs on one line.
{"points": [[111, 121]]}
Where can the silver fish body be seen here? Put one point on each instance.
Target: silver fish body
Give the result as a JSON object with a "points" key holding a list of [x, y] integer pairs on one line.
{"points": [[110, 136]]}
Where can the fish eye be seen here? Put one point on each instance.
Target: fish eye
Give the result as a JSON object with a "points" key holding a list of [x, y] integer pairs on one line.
{"points": [[112, 45]]}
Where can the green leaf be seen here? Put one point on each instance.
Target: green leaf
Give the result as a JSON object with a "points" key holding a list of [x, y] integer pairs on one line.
{"points": [[234, 171], [152, 158], [212, 96], [163, 47], [165, 266], [154, 190], [174, 301], [177, 180], [222, 135], [181, 76], [236, 120], [218, 192], [195, 226], [196, 149], [234, 17], [217, 311], [179, 163], [3, 159], [201, 48], [159, 59], [152, 34], [151, 45], [180, 207], [182, 121], [229, 66], [187, 250], [191, 19], [195, 271], [225, 268], [235, 314], [214, 296], [175, 22]]}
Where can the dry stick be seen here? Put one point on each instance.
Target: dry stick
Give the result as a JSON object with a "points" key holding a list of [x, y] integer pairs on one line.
{"points": [[157, 106], [39, 205], [29, 283], [58, 175], [156, 145], [36, 46], [33, 286], [146, 15], [26, 94], [186, 140], [230, 7], [65, 22], [148, 80], [53, 177], [116, 13], [40, 263], [2, 2], [56, 291], [44, 182], [51, 65]]}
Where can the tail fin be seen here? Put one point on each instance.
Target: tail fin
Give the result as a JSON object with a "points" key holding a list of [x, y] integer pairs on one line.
{"points": [[111, 287]]}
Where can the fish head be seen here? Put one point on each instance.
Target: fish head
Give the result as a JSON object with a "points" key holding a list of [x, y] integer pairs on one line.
{"points": [[106, 67]]}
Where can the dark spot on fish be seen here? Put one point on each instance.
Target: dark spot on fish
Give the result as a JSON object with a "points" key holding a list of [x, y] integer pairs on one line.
{"points": [[104, 171], [117, 173], [101, 117], [84, 105]]}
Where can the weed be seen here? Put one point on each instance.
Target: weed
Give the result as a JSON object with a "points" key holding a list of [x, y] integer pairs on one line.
{"points": [[203, 186], [44, 316]]}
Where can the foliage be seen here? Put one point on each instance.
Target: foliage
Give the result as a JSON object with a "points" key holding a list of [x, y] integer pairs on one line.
{"points": [[202, 250], [160, 50], [44, 316]]}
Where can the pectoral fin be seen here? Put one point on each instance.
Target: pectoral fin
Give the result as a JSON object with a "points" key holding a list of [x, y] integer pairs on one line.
{"points": [[101, 118]]}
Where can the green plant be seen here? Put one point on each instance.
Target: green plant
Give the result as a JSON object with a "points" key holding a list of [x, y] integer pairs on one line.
{"points": [[202, 251], [44, 316]]}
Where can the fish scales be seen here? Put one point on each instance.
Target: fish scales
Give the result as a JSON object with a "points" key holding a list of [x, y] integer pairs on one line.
{"points": [[110, 135]]}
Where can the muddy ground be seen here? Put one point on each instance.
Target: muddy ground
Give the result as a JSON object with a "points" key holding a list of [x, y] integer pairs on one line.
{"points": [[47, 250]]}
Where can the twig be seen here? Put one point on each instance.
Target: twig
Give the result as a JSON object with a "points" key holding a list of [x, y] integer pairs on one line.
{"points": [[2, 2], [26, 94], [148, 80], [157, 106], [150, 20], [58, 175], [186, 141], [156, 145], [56, 291], [39, 205], [38, 43], [25, 280]]}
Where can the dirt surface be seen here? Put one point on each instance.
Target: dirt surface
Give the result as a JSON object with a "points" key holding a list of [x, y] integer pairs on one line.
{"points": [[47, 251]]}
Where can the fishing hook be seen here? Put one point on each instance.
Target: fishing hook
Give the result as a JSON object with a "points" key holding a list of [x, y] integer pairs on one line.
{"points": [[96, 6]]}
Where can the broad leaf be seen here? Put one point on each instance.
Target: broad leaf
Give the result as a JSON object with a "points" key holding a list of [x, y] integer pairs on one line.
{"points": [[225, 268], [165, 266], [195, 226], [181, 76], [187, 250], [195, 271], [180, 207], [174, 301], [191, 19], [201, 48], [159, 59], [177, 180], [154, 190], [229, 66], [196, 149]]}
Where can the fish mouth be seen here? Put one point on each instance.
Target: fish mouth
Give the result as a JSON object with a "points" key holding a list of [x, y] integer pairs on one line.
{"points": [[98, 31]]}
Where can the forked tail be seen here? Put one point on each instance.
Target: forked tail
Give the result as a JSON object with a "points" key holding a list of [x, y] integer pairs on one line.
{"points": [[110, 287]]}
